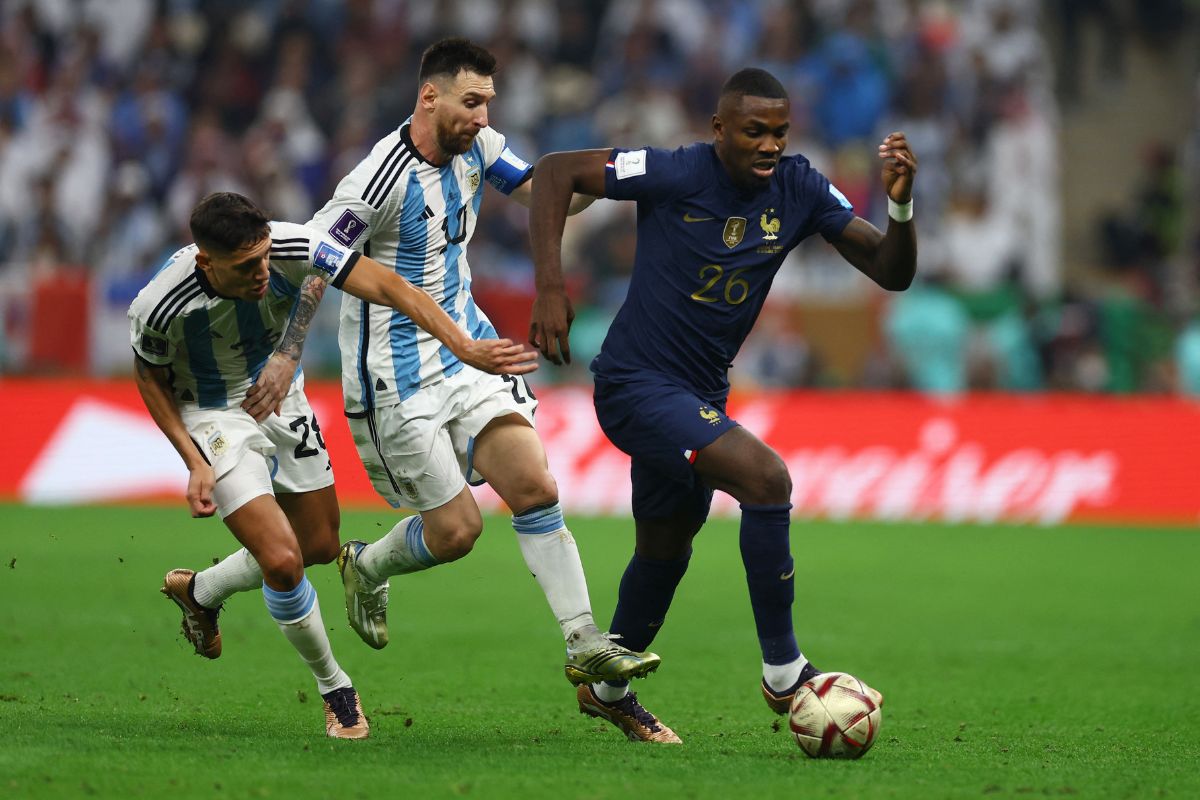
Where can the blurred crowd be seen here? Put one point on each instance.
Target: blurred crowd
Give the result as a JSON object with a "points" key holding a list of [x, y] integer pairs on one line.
{"points": [[116, 116]]}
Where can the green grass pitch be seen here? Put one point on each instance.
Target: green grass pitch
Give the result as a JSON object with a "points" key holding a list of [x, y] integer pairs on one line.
{"points": [[1016, 662]]}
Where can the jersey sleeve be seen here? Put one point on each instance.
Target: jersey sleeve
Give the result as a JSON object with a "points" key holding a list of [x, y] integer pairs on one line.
{"points": [[650, 173], [363, 198], [298, 251], [831, 211], [150, 345], [504, 169]]}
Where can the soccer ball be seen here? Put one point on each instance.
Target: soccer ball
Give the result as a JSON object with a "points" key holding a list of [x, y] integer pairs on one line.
{"points": [[835, 715]]}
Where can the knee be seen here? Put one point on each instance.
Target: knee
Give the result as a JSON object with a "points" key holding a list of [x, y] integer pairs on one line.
{"points": [[282, 566], [322, 548], [771, 485], [537, 490], [323, 553], [452, 542]]}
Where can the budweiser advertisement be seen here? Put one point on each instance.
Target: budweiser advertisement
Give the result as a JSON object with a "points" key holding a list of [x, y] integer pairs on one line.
{"points": [[1037, 458]]}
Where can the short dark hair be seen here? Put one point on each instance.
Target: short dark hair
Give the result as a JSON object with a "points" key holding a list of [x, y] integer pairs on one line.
{"points": [[451, 56], [754, 82], [226, 221]]}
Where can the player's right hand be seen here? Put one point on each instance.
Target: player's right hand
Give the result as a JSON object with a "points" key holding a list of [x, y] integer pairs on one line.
{"points": [[199, 491], [550, 326], [499, 356]]}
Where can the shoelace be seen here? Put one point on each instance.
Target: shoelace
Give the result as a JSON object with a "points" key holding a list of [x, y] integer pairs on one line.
{"points": [[630, 705], [342, 701]]}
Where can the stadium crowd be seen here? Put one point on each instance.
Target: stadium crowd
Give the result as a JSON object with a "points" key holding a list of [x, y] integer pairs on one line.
{"points": [[117, 116]]}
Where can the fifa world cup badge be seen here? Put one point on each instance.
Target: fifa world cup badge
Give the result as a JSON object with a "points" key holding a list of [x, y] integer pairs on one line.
{"points": [[735, 229]]}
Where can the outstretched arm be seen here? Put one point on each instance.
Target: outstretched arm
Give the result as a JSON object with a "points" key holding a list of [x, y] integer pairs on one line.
{"points": [[371, 281], [271, 386], [890, 260], [523, 194], [154, 385], [559, 176]]}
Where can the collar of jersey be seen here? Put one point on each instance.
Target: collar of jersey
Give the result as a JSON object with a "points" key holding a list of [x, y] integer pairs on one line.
{"points": [[208, 288], [727, 183], [406, 137]]}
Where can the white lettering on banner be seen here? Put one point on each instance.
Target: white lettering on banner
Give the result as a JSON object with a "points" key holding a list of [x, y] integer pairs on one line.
{"points": [[942, 478], [954, 484]]}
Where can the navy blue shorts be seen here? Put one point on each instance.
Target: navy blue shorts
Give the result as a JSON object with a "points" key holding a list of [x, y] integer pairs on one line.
{"points": [[662, 426]]}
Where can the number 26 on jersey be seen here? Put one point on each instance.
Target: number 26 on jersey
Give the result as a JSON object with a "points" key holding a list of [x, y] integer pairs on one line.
{"points": [[716, 284]]}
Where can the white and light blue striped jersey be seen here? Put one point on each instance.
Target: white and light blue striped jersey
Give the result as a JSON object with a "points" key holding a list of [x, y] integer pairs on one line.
{"points": [[214, 345], [416, 218]]}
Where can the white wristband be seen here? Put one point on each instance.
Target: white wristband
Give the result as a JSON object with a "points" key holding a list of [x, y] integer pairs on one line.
{"points": [[901, 212]]}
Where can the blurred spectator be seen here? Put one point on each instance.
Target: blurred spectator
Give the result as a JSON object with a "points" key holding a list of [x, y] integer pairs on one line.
{"points": [[116, 116]]}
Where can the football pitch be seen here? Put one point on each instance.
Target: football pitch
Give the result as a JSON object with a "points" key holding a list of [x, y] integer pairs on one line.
{"points": [[1015, 661]]}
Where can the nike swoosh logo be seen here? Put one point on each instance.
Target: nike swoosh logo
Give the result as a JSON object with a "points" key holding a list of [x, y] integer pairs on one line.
{"points": [[787, 576], [690, 218]]}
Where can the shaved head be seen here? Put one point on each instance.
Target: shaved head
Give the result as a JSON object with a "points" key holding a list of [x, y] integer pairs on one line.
{"points": [[751, 126]]}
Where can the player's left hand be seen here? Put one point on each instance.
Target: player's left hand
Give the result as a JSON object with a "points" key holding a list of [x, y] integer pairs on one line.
{"points": [[550, 326], [899, 166], [267, 393]]}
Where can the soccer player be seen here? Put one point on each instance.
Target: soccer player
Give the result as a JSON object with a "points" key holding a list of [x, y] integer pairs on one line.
{"points": [[425, 422], [201, 330], [714, 224]]}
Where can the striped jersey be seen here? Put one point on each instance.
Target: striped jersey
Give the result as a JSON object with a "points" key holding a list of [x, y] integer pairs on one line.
{"points": [[214, 345], [416, 218]]}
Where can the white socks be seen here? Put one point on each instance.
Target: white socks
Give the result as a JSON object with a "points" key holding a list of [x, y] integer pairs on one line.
{"points": [[610, 694], [400, 551], [553, 558], [299, 617], [782, 677], [238, 572]]}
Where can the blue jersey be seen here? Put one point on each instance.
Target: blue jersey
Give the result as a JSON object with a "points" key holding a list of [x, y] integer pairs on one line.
{"points": [[707, 253]]}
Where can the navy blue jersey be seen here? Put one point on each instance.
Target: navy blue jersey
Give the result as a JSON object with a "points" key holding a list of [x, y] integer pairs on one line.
{"points": [[707, 253]]}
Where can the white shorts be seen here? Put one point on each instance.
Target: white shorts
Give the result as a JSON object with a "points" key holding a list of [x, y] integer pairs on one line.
{"points": [[291, 444], [418, 453]]}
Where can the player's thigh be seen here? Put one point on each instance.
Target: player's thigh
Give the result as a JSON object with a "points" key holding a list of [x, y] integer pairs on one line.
{"points": [[316, 520], [742, 465], [499, 409], [407, 452], [662, 427], [509, 455], [245, 501], [658, 421]]}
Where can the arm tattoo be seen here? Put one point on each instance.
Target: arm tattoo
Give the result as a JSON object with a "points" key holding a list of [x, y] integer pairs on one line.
{"points": [[311, 292]]}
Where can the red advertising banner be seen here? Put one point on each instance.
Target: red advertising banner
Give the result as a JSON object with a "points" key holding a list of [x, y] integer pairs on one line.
{"points": [[1035, 458]]}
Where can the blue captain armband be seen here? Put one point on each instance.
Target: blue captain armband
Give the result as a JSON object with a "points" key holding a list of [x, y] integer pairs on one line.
{"points": [[508, 172]]}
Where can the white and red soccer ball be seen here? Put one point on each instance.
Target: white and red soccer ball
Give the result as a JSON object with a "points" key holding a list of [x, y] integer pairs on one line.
{"points": [[835, 715]]}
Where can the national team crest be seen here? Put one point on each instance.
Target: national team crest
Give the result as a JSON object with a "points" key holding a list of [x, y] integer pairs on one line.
{"points": [[735, 229], [217, 443], [473, 178], [770, 226]]}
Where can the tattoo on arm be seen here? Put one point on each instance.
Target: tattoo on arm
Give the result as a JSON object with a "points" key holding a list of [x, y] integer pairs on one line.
{"points": [[152, 373], [311, 292]]}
